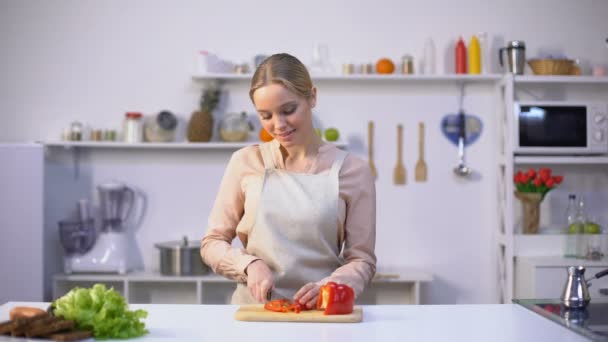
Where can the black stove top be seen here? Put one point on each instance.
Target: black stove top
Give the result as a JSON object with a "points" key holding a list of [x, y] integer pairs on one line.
{"points": [[592, 322]]}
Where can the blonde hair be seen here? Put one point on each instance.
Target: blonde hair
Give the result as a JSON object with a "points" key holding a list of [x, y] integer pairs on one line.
{"points": [[285, 69]]}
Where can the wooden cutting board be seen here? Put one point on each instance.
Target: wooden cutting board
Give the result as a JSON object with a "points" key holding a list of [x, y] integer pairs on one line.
{"points": [[257, 313]]}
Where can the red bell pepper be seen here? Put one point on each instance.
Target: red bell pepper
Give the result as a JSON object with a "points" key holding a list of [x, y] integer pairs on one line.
{"points": [[336, 299]]}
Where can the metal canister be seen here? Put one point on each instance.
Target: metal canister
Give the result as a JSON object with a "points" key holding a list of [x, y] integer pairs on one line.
{"points": [[407, 64]]}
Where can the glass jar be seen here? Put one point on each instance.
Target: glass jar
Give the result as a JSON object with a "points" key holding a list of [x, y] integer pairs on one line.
{"points": [[132, 127], [235, 127], [160, 127], [76, 130]]}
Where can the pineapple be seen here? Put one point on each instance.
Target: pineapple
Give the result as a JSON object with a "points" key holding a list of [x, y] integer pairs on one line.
{"points": [[200, 127]]}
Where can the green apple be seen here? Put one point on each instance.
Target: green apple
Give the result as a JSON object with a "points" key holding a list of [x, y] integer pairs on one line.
{"points": [[332, 134], [592, 228], [574, 228]]}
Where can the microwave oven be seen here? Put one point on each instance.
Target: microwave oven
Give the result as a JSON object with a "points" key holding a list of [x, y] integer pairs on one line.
{"points": [[560, 128]]}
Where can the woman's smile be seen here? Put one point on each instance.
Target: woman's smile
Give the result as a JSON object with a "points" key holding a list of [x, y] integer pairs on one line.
{"points": [[286, 136]]}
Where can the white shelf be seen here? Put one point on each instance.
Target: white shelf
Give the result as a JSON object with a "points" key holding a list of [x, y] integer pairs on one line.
{"points": [[161, 146], [403, 276], [373, 77], [140, 277], [562, 79], [560, 261], [561, 160], [402, 286]]}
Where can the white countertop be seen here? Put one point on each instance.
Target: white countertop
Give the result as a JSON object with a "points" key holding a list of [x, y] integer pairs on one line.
{"points": [[508, 322]]}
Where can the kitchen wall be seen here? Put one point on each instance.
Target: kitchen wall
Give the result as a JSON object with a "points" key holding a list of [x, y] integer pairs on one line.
{"points": [[93, 60]]}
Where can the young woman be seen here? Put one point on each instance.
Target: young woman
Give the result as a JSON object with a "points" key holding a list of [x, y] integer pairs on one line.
{"points": [[304, 210]]}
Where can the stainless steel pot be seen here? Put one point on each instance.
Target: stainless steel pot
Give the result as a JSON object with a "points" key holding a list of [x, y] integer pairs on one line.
{"points": [[181, 258]]}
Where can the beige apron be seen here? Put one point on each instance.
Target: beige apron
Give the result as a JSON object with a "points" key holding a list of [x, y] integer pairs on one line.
{"points": [[295, 231]]}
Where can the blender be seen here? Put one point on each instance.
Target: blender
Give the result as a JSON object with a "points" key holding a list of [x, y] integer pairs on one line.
{"points": [[110, 251]]}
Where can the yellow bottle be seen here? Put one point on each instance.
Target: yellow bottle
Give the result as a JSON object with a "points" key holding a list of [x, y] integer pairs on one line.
{"points": [[474, 56]]}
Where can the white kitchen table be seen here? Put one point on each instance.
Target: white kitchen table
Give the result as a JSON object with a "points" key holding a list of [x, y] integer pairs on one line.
{"points": [[507, 322]]}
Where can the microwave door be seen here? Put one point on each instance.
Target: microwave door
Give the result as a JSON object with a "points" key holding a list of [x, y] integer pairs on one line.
{"points": [[552, 129]]}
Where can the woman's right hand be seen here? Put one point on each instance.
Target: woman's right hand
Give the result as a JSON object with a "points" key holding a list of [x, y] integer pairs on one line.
{"points": [[259, 280]]}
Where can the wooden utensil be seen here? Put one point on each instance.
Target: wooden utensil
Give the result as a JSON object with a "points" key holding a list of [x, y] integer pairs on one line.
{"points": [[399, 173], [257, 313], [420, 172], [370, 145]]}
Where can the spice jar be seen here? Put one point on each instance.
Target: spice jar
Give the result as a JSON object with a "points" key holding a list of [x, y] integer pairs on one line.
{"points": [[76, 129], [407, 64], [133, 127]]}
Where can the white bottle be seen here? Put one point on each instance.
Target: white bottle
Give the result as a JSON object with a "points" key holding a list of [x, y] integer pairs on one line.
{"points": [[428, 58], [484, 47]]}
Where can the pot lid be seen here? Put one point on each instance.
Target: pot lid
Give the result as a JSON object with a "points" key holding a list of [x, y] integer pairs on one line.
{"points": [[184, 243]]}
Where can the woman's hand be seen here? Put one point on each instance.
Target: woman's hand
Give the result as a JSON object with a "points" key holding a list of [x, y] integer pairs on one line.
{"points": [[307, 295], [259, 280]]}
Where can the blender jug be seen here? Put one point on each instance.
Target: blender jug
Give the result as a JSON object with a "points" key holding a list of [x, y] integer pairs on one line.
{"points": [[116, 201], [516, 56]]}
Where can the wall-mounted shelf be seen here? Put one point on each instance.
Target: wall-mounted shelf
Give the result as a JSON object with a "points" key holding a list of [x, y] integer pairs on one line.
{"points": [[483, 78], [157, 146], [374, 77], [561, 160], [561, 79]]}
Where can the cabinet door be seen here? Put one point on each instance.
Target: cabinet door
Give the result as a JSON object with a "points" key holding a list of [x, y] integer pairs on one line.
{"points": [[21, 219], [550, 281]]}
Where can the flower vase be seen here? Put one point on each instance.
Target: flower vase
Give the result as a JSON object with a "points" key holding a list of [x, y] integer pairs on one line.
{"points": [[530, 205]]}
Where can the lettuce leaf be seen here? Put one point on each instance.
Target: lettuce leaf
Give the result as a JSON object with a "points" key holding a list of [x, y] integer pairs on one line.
{"points": [[101, 310]]}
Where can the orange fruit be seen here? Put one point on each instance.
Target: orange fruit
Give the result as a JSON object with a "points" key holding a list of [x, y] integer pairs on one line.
{"points": [[385, 66], [265, 136]]}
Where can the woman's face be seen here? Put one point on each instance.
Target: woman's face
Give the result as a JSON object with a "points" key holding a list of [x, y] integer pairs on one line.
{"points": [[285, 115]]}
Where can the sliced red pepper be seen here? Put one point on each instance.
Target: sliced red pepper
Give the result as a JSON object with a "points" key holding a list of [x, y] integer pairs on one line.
{"points": [[284, 305], [336, 299], [277, 305]]}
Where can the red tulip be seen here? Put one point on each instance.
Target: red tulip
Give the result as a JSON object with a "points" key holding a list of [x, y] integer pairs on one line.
{"points": [[550, 183], [531, 173], [545, 174], [538, 181], [558, 179]]}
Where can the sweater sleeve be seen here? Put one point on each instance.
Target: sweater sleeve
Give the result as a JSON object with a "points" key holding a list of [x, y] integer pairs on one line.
{"points": [[216, 247], [357, 186]]}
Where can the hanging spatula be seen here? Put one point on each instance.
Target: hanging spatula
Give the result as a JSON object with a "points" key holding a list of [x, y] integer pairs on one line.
{"points": [[370, 146], [420, 171], [399, 173]]}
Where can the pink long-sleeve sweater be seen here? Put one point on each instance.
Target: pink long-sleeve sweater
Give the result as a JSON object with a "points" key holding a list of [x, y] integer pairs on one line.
{"points": [[235, 207]]}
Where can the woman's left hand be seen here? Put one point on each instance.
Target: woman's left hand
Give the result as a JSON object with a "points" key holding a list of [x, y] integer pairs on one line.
{"points": [[307, 295]]}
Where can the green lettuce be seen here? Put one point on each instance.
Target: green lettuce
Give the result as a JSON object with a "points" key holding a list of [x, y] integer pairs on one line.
{"points": [[101, 310]]}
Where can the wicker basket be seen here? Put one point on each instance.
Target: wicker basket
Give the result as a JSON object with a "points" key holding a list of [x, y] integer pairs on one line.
{"points": [[551, 66]]}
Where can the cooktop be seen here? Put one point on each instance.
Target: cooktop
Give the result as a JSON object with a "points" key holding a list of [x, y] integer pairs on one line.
{"points": [[591, 322]]}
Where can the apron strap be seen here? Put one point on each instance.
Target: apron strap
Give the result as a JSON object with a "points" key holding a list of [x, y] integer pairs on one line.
{"points": [[266, 151], [337, 165]]}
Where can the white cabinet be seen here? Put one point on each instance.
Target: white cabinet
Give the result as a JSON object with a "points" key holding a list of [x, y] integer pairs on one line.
{"points": [[545, 277], [21, 219], [519, 279]]}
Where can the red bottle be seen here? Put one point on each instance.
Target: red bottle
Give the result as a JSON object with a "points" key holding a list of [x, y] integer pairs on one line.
{"points": [[461, 57]]}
